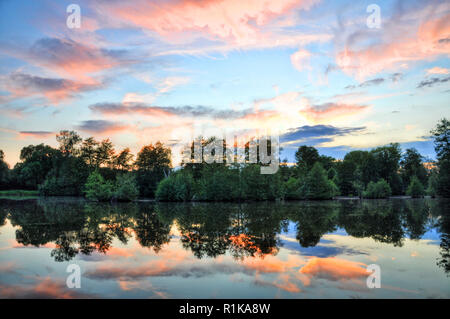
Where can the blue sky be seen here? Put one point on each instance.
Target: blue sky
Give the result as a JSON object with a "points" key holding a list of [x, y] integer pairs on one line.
{"points": [[179, 68]]}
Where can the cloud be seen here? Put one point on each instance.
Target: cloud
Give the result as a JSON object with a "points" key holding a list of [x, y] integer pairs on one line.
{"points": [[432, 81], [300, 58], [331, 111], [317, 134], [438, 70], [54, 89], [35, 134], [395, 77], [101, 126], [414, 35], [183, 111]]}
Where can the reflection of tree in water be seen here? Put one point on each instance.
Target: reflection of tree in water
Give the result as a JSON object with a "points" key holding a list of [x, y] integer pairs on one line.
{"points": [[212, 229], [313, 220], [204, 229], [243, 230], [151, 230], [443, 207], [376, 219]]}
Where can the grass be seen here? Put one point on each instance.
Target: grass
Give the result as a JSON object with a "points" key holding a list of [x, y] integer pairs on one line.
{"points": [[19, 192]]}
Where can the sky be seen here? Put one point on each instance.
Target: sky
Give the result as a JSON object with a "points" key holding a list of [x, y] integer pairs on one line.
{"points": [[335, 75]]}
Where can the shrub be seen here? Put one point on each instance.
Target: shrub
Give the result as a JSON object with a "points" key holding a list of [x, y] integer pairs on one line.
{"points": [[317, 184], [177, 187], [97, 189], [415, 188], [293, 188], [126, 188], [380, 189]]}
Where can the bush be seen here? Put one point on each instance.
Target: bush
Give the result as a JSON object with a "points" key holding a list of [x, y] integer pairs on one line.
{"points": [[293, 188], [126, 188], [415, 188], [97, 189], [177, 187], [380, 189], [432, 184], [444, 179]]}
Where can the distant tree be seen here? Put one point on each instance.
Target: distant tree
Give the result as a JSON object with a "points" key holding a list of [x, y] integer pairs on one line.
{"points": [[68, 142], [415, 188]]}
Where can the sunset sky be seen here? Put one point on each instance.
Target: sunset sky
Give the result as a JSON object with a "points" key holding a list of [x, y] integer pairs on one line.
{"points": [[142, 71]]}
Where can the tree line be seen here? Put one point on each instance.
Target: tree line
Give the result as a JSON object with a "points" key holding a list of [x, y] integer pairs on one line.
{"points": [[86, 167]]}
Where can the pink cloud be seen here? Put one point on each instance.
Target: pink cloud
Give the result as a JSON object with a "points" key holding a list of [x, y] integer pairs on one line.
{"points": [[428, 41]]}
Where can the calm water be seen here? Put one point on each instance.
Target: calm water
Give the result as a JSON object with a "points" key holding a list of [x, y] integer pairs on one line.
{"points": [[206, 250]]}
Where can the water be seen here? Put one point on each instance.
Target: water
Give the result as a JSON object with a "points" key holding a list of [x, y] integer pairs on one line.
{"points": [[225, 250]]}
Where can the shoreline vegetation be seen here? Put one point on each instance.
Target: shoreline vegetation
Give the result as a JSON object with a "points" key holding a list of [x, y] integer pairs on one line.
{"points": [[93, 169]]}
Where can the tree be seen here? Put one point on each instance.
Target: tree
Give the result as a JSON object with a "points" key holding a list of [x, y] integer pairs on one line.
{"points": [[4, 171], [306, 156], [346, 177], [387, 160], [68, 141], [126, 188], [412, 165], [441, 135], [97, 189], [442, 147], [433, 184], [444, 178], [153, 163], [380, 189], [415, 188], [88, 151], [317, 185], [37, 161], [104, 153], [123, 160]]}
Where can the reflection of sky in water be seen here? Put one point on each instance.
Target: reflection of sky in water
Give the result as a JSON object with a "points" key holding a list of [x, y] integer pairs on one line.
{"points": [[333, 268]]}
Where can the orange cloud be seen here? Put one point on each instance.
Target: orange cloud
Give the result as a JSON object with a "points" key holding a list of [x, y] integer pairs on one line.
{"points": [[332, 111], [334, 268]]}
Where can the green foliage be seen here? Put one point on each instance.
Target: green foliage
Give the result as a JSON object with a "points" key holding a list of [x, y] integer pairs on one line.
{"points": [[433, 184], [317, 185], [306, 156], [443, 188], [126, 188], [153, 164], [97, 189], [177, 187], [441, 135], [415, 188], [293, 188], [380, 189]]}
